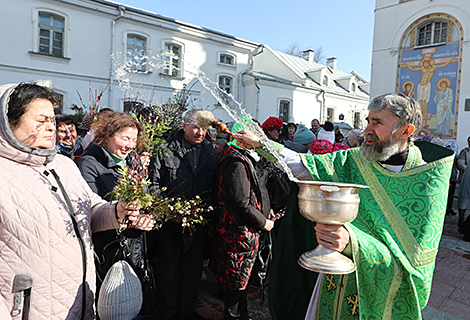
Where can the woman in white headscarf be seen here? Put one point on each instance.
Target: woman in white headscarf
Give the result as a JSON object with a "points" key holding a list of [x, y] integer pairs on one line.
{"points": [[47, 214]]}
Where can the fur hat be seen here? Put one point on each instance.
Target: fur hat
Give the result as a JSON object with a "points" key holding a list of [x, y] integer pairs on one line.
{"points": [[303, 135], [272, 123], [120, 296]]}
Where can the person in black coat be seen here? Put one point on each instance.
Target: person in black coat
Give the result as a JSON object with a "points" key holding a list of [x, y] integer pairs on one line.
{"points": [[244, 199], [115, 139], [187, 170]]}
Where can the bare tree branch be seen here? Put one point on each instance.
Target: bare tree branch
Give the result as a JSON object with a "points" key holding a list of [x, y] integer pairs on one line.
{"points": [[295, 50]]}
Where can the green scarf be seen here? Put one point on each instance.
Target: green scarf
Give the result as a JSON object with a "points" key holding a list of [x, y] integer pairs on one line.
{"points": [[119, 161]]}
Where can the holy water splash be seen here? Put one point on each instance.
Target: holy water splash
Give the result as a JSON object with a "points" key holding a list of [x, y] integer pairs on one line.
{"points": [[130, 80]]}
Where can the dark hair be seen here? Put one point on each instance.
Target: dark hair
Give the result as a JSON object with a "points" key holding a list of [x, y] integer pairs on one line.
{"points": [[291, 124], [328, 126], [65, 119], [22, 95]]}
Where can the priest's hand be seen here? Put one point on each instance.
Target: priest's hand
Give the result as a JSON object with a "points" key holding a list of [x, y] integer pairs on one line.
{"points": [[246, 139], [332, 236]]}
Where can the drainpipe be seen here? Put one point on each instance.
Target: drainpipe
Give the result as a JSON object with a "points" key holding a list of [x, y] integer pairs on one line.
{"points": [[322, 92], [259, 50], [122, 9], [257, 98]]}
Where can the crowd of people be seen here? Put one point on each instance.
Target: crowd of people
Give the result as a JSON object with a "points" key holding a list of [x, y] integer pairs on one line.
{"points": [[59, 226]]}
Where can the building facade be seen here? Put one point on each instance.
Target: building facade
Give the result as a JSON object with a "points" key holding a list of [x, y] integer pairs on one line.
{"points": [[420, 50], [138, 57], [297, 89]]}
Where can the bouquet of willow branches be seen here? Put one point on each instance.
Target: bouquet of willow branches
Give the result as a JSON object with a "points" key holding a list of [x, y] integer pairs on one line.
{"points": [[133, 187], [157, 121]]}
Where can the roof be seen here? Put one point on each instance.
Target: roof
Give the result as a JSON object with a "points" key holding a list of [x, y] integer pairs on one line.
{"points": [[118, 5], [300, 67]]}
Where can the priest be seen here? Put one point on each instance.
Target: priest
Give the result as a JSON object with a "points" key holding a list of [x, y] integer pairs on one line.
{"points": [[395, 237]]}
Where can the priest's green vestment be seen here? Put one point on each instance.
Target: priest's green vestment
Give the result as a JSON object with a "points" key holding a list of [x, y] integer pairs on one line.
{"points": [[393, 241]]}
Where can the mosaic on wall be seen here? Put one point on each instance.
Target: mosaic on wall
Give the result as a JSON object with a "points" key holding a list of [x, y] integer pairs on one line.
{"points": [[430, 73]]}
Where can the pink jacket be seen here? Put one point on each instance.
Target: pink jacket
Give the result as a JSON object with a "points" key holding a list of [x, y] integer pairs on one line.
{"points": [[37, 237]]}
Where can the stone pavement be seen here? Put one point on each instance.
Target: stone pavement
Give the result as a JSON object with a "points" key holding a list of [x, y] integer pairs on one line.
{"points": [[450, 293]]}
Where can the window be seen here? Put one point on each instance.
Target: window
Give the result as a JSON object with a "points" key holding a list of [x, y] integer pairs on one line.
{"points": [[225, 83], [172, 63], [284, 108], [136, 52], [432, 33], [51, 35], [353, 87], [132, 105], [325, 80], [330, 113], [357, 120], [227, 59]]}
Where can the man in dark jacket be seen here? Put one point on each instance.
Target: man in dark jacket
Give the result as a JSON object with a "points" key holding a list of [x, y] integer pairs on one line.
{"points": [[186, 171]]}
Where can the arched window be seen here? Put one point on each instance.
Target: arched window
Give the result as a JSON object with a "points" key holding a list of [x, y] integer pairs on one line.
{"points": [[325, 80], [136, 52], [227, 59], [51, 34], [432, 33], [353, 87]]}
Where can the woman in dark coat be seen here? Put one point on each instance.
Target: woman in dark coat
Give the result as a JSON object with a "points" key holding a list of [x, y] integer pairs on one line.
{"points": [[244, 199], [116, 137]]}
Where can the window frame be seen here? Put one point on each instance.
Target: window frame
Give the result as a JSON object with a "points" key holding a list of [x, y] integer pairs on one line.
{"points": [[131, 64], [432, 23], [226, 76], [227, 54], [35, 13], [330, 114], [289, 109], [180, 67]]}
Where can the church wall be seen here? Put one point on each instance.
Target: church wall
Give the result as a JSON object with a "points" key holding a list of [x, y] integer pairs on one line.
{"points": [[392, 23]]}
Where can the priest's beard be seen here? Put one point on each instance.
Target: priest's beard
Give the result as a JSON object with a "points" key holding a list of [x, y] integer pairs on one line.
{"points": [[381, 150]]}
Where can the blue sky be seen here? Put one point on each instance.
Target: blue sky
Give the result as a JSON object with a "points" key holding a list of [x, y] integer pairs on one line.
{"points": [[344, 28]]}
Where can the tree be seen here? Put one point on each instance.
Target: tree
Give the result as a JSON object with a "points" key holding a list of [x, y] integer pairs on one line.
{"points": [[295, 50]]}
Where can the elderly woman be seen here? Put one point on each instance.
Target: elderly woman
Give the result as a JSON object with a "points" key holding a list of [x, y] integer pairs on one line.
{"points": [[115, 138], [354, 138], [47, 215], [66, 136]]}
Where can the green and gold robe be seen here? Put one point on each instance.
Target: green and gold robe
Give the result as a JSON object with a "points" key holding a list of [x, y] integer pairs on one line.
{"points": [[393, 241]]}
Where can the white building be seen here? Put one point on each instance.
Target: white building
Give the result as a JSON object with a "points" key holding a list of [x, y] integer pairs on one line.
{"points": [[297, 89], [140, 56], [69, 43], [421, 48]]}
